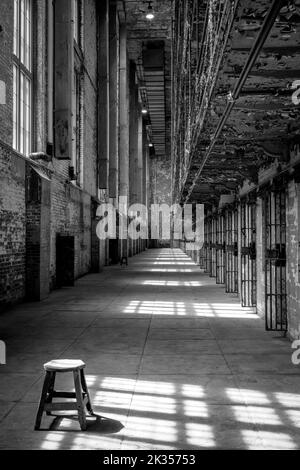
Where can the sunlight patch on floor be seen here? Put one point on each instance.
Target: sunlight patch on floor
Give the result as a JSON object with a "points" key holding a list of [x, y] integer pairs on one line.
{"points": [[277, 440], [53, 440], [174, 283], [161, 413], [159, 430], [200, 435], [288, 399]]}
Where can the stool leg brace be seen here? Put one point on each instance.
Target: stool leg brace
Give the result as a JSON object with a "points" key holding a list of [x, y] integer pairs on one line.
{"points": [[81, 395]]}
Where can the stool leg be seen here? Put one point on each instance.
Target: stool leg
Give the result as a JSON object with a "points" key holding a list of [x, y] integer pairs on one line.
{"points": [[79, 400], [85, 389], [50, 391], [42, 401]]}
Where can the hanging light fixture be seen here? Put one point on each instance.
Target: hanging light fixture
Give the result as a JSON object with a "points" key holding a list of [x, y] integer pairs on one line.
{"points": [[150, 13]]}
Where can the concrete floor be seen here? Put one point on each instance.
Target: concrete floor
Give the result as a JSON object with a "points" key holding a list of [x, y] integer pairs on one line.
{"points": [[172, 363]]}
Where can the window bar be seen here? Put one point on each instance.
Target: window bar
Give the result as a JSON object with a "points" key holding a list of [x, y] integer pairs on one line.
{"points": [[231, 250], [213, 246], [220, 249]]}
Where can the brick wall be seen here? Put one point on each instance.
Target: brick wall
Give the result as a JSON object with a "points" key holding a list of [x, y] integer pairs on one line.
{"points": [[37, 235], [160, 188], [6, 70], [71, 211], [90, 98], [293, 284], [260, 273], [160, 179], [12, 227], [64, 208]]}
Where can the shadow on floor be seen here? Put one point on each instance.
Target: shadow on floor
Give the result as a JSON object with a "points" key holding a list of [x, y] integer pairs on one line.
{"points": [[95, 424]]}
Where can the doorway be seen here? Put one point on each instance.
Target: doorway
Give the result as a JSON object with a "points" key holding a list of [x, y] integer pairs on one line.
{"points": [[65, 260]]}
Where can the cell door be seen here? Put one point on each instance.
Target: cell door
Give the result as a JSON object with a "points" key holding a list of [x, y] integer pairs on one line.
{"points": [[206, 246], [248, 252], [275, 260], [231, 256], [213, 244], [207, 253], [202, 256], [202, 253], [220, 249]]}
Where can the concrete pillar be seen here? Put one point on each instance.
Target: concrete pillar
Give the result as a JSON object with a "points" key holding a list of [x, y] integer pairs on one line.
{"points": [[293, 260], [133, 143], [37, 236], [140, 186], [114, 250], [103, 94], [260, 268], [145, 199], [64, 66], [113, 100], [103, 114], [123, 126]]}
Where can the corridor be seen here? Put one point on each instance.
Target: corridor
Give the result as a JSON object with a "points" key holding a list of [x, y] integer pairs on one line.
{"points": [[172, 363]]}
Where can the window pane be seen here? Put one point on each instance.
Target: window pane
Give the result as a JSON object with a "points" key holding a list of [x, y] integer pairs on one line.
{"points": [[23, 31], [28, 36], [74, 134], [21, 145], [27, 113], [22, 79], [15, 109], [16, 27], [21, 112]]}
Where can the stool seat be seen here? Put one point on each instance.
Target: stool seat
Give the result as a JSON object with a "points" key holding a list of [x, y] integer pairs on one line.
{"points": [[64, 365]]}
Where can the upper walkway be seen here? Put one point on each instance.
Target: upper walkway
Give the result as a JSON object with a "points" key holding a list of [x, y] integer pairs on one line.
{"points": [[172, 363]]}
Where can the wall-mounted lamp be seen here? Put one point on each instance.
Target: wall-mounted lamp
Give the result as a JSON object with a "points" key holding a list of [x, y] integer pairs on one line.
{"points": [[150, 145], [150, 13], [144, 110]]}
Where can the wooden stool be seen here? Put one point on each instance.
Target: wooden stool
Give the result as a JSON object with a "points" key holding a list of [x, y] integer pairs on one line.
{"points": [[81, 393]]}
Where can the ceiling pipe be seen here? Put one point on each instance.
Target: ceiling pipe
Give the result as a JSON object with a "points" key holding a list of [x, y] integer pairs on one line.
{"points": [[254, 53]]}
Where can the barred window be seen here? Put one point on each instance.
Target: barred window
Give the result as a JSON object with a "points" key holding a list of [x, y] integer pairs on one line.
{"points": [[22, 76], [77, 125], [77, 95]]}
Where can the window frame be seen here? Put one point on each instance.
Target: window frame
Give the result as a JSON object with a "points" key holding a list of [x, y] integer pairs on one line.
{"points": [[25, 70], [77, 125], [77, 95]]}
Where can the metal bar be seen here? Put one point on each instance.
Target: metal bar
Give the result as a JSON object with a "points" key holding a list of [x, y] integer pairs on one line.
{"points": [[254, 53]]}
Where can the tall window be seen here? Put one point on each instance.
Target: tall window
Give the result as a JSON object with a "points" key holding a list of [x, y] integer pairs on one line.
{"points": [[22, 76], [77, 126], [77, 95]]}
